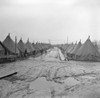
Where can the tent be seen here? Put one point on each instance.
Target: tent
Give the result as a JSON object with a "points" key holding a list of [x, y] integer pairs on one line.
{"points": [[21, 47], [65, 46], [61, 56], [39, 47], [10, 45], [3, 50], [98, 47], [36, 48], [87, 52], [29, 46], [74, 51], [70, 48]]}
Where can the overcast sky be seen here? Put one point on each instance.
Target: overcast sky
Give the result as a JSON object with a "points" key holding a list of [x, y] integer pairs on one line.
{"points": [[43, 20]]}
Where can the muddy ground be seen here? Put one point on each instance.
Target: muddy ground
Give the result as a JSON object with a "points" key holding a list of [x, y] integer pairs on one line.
{"points": [[52, 78]]}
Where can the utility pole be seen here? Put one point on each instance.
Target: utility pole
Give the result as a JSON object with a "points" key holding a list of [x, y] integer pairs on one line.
{"points": [[67, 39], [28, 39], [49, 42], [15, 43]]}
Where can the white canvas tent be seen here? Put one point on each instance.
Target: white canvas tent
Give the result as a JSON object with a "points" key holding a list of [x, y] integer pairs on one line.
{"points": [[29, 47], [10, 45], [87, 52], [21, 46], [74, 51]]}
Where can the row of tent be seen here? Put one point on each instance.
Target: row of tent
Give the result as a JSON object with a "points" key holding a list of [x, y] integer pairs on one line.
{"points": [[88, 51], [10, 47]]}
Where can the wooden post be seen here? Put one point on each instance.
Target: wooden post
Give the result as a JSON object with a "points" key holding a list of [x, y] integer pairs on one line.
{"points": [[49, 42], [15, 43], [67, 39]]}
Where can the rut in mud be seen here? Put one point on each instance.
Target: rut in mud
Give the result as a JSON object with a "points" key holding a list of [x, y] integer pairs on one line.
{"points": [[37, 77]]}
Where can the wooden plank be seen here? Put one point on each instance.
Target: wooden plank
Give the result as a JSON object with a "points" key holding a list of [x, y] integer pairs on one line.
{"points": [[8, 75]]}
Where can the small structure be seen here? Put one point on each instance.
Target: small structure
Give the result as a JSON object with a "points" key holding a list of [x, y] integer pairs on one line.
{"points": [[30, 48], [87, 52], [3, 50], [22, 48], [40, 49], [70, 49], [11, 45], [36, 48], [5, 56], [74, 51]]}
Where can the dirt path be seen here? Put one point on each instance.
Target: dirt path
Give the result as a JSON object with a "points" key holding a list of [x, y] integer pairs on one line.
{"points": [[38, 78]]}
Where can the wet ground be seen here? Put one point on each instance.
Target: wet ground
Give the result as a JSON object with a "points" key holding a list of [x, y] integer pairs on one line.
{"points": [[51, 78]]}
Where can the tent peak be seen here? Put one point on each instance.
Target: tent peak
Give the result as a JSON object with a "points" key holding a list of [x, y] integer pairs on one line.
{"points": [[89, 37], [8, 34], [76, 42], [28, 39], [21, 38]]}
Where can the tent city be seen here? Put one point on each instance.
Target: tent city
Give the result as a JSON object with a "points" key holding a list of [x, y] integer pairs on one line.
{"points": [[49, 49]]}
